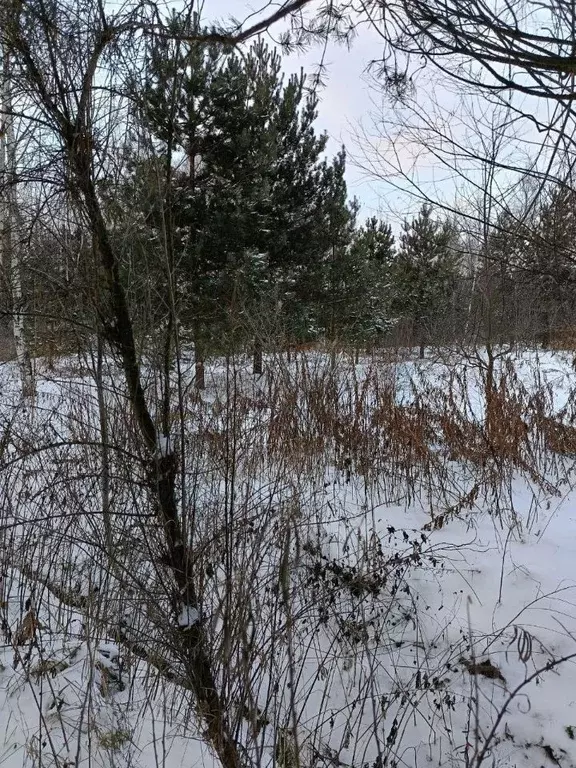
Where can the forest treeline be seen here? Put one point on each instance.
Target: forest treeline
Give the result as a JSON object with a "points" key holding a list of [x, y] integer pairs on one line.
{"points": [[227, 213]]}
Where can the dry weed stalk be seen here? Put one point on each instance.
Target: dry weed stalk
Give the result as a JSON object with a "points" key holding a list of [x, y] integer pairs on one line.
{"points": [[282, 616]]}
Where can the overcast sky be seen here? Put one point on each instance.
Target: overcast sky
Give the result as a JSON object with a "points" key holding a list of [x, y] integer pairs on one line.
{"points": [[346, 98], [433, 155]]}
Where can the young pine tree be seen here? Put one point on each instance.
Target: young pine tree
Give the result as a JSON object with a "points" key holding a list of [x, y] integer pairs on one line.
{"points": [[424, 271], [374, 251], [551, 261], [247, 187]]}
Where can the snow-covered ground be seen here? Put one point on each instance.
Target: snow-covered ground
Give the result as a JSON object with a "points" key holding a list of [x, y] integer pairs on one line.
{"points": [[404, 607]]}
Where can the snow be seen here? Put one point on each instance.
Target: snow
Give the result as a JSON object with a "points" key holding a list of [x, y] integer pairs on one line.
{"points": [[413, 611], [165, 447], [108, 650], [188, 617]]}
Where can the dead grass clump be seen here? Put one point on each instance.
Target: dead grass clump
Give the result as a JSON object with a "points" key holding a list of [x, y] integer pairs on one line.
{"points": [[563, 338], [558, 437], [409, 435]]}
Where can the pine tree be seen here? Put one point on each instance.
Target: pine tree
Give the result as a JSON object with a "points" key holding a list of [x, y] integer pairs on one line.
{"points": [[378, 241], [246, 211], [357, 291], [334, 271], [551, 260], [424, 272], [375, 251], [499, 276]]}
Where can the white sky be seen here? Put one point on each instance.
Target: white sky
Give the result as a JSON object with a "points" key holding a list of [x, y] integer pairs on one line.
{"points": [[344, 101], [349, 104]]}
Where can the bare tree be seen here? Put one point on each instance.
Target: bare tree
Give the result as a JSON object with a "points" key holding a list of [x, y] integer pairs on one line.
{"points": [[11, 246], [64, 60], [65, 64]]}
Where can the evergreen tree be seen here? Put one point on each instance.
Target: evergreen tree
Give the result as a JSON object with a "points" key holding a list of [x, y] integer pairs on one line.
{"points": [[334, 270], [247, 192], [499, 277], [550, 261], [367, 283], [424, 272], [378, 241]]}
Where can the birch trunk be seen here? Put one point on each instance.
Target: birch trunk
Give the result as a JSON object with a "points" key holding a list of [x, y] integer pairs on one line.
{"points": [[11, 250]]}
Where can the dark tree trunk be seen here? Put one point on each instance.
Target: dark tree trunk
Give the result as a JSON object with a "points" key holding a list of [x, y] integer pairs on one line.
{"points": [[257, 361], [199, 377], [162, 471], [544, 330]]}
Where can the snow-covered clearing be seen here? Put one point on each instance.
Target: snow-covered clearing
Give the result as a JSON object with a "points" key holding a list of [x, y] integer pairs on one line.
{"points": [[386, 570]]}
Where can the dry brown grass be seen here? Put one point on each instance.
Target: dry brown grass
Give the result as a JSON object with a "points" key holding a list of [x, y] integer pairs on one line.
{"points": [[563, 338], [257, 455], [410, 439]]}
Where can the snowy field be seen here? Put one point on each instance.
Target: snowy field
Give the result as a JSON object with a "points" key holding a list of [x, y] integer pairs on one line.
{"points": [[385, 554]]}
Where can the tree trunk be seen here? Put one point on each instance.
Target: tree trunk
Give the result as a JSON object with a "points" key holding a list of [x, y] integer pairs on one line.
{"points": [[199, 374], [544, 330], [490, 394], [9, 216], [104, 448], [163, 464], [18, 324], [257, 362]]}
